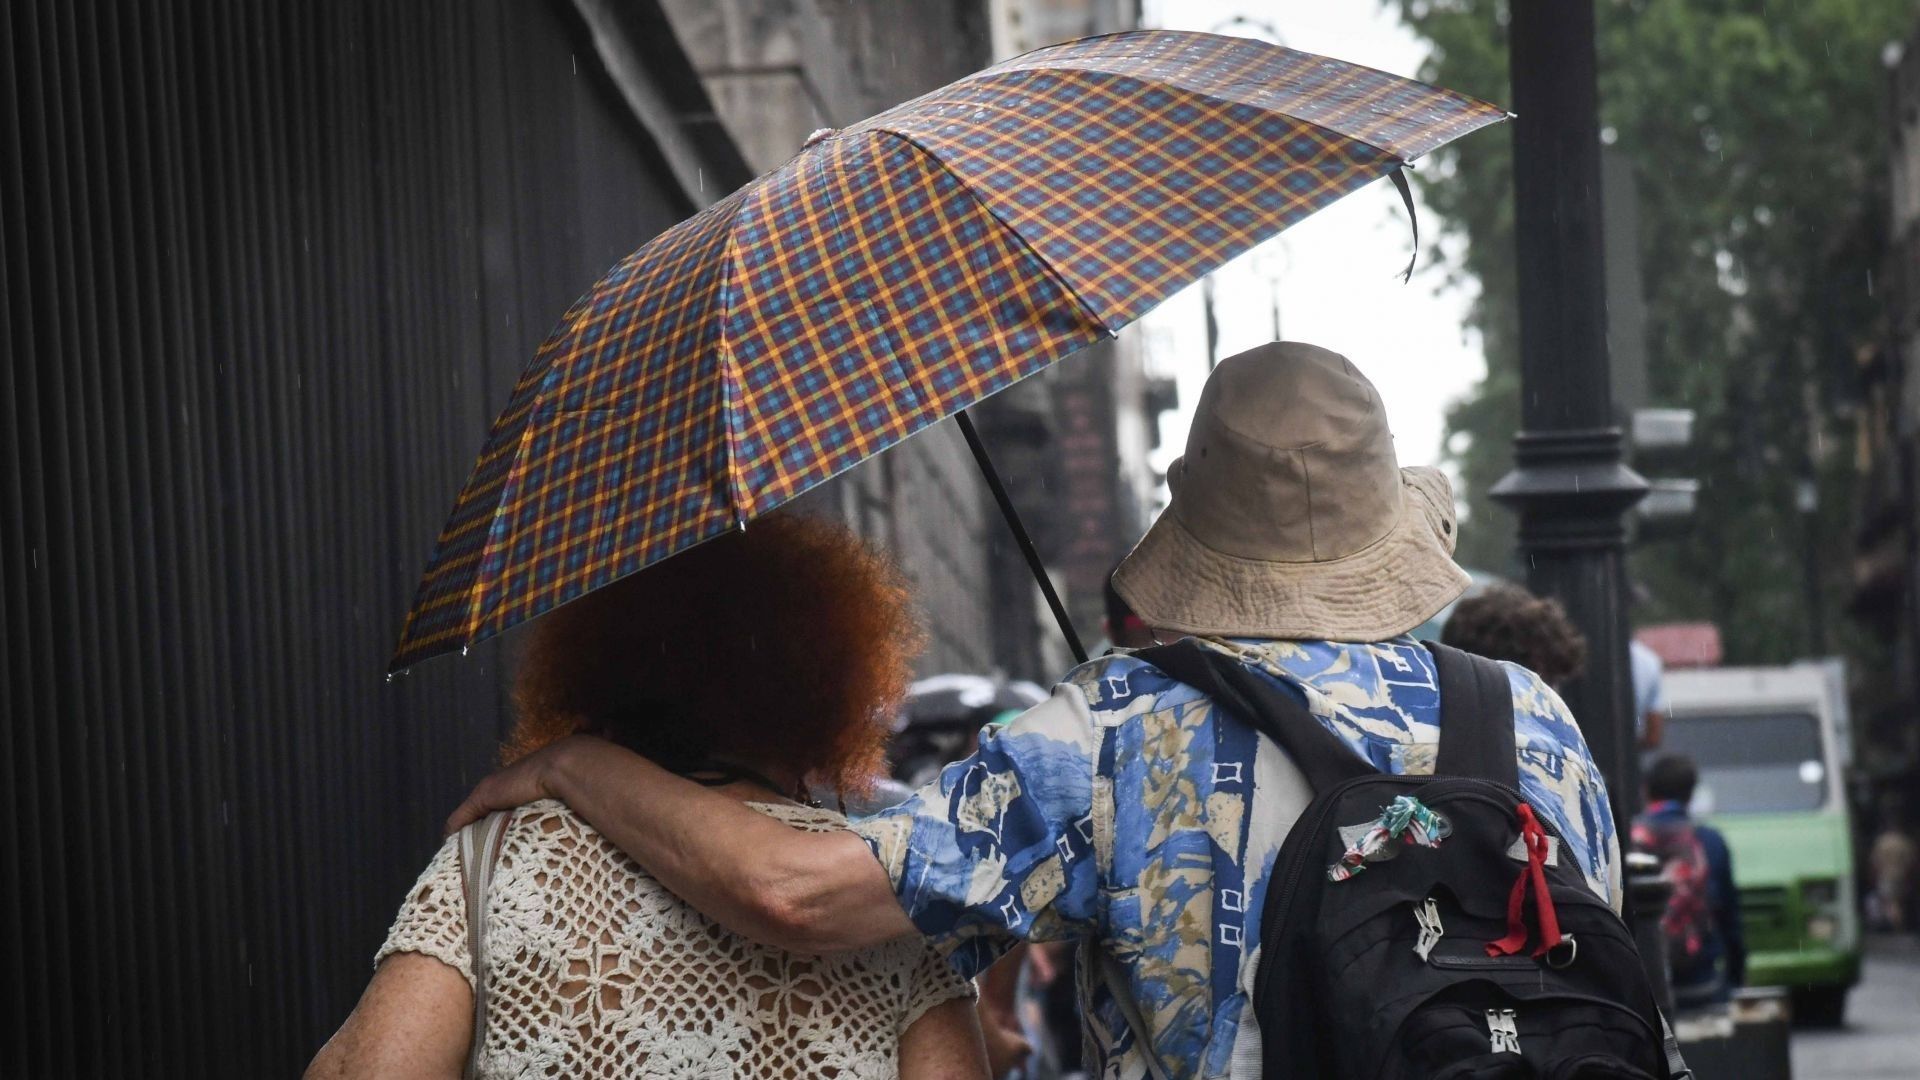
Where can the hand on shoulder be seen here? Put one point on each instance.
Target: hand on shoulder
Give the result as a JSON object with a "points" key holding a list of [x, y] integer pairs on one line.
{"points": [[540, 775]]}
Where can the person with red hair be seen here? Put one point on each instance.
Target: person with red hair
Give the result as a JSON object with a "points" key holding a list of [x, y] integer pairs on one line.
{"points": [[762, 664]]}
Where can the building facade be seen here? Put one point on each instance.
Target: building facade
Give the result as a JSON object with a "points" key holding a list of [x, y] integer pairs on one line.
{"points": [[271, 270]]}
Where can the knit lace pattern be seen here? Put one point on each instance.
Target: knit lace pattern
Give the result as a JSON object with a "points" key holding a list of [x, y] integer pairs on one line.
{"points": [[596, 970]]}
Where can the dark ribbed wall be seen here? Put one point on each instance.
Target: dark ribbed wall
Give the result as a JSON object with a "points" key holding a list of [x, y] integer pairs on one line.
{"points": [[269, 271]]}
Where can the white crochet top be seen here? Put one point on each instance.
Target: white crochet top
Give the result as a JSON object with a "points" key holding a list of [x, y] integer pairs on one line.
{"points": [[596, 970]]}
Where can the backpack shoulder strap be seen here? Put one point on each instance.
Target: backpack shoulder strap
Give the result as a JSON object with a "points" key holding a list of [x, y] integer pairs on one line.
{"points": [[480, 845], [1476, 717], [1319, 753]]}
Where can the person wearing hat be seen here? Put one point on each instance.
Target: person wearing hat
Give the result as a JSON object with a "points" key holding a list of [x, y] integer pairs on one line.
{"points": [[1125, 811]]}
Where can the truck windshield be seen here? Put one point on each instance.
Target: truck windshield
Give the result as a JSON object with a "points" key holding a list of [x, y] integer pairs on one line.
{"points": [[1751, 763]]}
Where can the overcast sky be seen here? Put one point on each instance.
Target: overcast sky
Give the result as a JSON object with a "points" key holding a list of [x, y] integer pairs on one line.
{"points": [[1336, 276]]}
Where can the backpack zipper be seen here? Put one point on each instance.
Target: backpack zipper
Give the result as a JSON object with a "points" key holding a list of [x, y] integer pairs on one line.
{"points": [[1276, 915]]}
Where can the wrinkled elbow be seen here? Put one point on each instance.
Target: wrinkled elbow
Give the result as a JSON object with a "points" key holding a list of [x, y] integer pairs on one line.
{"points": [[824, 897], [794, 914]]}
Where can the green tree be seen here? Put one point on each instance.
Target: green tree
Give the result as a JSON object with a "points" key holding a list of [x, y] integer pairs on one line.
{"points": [[1756, 132]]}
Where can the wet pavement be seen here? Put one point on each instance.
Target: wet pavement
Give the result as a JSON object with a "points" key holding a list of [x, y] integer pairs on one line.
{"points": [[1882, 1035]]}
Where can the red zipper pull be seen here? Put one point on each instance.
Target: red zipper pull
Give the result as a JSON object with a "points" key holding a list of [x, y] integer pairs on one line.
{"points": [[1538, 845]]}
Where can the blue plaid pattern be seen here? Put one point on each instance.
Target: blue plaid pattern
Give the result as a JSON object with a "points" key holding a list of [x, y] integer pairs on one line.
{"points": [[885, 278]]}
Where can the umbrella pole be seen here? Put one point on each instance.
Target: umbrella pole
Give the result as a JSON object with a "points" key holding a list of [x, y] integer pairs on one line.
{"points": [[1020, 535]]}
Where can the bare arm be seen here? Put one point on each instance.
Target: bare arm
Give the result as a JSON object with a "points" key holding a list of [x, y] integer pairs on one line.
{"points": [[796, 891], [1656, 729], [944, 1044], [415, 1020]]}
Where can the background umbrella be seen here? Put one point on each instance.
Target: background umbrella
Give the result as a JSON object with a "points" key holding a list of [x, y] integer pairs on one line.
{"points": [[960, 697], [943, 713], [890, 275]]}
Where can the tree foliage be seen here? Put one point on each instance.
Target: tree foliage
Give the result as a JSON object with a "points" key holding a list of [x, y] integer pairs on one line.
{"points": [[1756, 134]]}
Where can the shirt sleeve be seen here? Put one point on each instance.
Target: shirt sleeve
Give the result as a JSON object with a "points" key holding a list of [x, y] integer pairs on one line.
{"points": [[433, 920], [932, 982], [999, 848], [1561, 779], [1648, 673]]}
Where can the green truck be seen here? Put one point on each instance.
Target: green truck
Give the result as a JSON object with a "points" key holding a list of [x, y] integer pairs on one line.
{"points": [[1772, 746]]}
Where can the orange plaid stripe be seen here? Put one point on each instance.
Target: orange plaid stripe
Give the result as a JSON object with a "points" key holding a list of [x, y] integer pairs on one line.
{"points": [[886, 278]]}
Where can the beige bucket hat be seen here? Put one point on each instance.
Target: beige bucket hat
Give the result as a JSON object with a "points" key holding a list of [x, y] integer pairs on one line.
{"points": [[1290, 516]]}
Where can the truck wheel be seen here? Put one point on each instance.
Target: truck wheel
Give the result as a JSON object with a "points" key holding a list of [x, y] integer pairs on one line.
{"points": [[1820, 1006]]}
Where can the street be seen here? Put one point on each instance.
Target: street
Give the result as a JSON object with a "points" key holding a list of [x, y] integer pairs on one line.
{"points": [[1882, 1036]]}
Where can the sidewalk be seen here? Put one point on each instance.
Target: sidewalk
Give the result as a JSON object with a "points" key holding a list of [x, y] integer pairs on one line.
{"points": [[1882, 1036]]}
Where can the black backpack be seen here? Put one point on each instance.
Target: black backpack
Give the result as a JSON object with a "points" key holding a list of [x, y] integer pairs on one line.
{"points": [[1428, 959]]}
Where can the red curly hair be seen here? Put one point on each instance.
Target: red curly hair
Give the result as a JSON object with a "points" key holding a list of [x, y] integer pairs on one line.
{"points": [[791, 642]]}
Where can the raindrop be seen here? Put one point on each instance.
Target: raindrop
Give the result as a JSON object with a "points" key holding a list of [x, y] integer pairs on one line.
{"points": [[575, 61], [463, 650]]}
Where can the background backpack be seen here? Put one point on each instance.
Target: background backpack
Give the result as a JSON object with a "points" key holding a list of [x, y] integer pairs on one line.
{"points": [[1688, 919], [1430, 926]]}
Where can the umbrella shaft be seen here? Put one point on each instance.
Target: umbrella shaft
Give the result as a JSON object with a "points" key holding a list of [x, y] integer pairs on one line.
{"points": [[1020, 535]]}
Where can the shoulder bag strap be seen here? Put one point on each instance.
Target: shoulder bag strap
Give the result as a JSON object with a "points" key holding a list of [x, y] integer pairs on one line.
{"points": [[1319, 753], [1670, 1046], [1476, 718], [480, 845]]}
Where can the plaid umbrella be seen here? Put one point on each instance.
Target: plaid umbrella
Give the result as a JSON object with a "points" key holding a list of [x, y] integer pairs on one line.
{"points": [[890, 275]]}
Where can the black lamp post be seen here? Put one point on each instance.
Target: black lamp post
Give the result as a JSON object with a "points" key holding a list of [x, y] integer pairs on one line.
{"points": [[1569, 484]]}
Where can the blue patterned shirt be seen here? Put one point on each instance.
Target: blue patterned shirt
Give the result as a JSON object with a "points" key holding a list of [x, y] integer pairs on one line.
{"points": [[1120, 811]]}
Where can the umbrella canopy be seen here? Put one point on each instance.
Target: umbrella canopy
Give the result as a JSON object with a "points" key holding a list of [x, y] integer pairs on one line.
{"points": [[890, 275]]}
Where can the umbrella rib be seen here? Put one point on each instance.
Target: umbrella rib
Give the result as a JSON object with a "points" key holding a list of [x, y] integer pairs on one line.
{"points": [[736, 494]]}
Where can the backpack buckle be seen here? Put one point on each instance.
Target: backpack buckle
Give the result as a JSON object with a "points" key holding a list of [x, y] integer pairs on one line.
{"points": [[1561, 956], [1427, 914], [1503, 1034]]}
